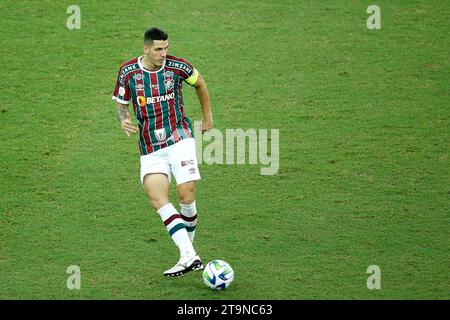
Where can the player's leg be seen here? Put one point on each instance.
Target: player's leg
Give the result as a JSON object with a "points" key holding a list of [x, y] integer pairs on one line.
{"points": [[155, 179], [184, 166], [156, 185], [186, 195]]}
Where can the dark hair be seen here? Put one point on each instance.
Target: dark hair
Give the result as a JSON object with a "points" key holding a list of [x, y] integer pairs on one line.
{"points": [[154, 34]]}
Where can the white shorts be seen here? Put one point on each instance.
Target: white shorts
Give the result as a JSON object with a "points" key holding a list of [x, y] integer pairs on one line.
{"points": [[179, 159]]}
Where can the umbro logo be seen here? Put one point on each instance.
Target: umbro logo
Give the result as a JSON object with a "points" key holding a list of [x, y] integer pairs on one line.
{"points": [[187, 162]]}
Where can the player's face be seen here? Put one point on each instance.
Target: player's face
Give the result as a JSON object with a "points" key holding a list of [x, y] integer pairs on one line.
{"points": [[156, 53]]}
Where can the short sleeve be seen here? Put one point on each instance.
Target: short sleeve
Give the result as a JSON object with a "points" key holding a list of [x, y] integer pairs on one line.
{"points": [[122, 90]]}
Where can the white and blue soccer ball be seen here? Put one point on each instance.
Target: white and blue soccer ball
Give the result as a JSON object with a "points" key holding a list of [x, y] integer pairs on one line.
{"points": [[218, 275]]}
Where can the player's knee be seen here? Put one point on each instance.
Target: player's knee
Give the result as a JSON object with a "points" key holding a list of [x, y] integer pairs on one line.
{"points": [[158, 203], [187, 197], [157, 200], [186, 200], [186, 192]]}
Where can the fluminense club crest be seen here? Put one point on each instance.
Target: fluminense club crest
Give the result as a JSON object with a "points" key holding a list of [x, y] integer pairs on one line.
{"points": [[169, 84]]}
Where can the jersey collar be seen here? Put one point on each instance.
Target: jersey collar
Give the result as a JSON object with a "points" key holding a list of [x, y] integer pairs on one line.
{"points": [[147, 70]]}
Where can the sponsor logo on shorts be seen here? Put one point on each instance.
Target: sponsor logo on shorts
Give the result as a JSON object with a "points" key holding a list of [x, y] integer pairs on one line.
{"points": [[192, 171], [187, 162]]}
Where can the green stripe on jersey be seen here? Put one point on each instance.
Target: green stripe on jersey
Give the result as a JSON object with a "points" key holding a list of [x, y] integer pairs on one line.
{"points": [[150, 111], [164, 104]]}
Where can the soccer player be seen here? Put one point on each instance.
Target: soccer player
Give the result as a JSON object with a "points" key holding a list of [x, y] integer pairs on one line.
{"points": [[153, 83]]}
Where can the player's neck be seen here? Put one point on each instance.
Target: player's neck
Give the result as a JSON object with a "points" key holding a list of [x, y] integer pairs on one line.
{"points": [[148, 65]]}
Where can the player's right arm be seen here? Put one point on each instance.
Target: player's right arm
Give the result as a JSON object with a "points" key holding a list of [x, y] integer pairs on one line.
{"points": [[123, 114], [122, 96]]}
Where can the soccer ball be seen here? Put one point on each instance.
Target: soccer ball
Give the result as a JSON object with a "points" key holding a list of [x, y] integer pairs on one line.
{"points": [[218, 275]]}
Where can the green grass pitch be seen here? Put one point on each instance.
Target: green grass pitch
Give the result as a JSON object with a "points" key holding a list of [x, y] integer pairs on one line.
{"points": [[364, 144]]}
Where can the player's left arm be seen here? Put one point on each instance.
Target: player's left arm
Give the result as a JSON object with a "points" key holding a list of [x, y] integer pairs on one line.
{"points": [[201, 89]]}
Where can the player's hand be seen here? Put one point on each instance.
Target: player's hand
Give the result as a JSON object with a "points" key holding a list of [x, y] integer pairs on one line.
{"points": [[207, 124], [128, 127]]}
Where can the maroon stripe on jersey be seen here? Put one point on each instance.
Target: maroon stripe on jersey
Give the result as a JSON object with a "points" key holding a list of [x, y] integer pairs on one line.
{"points": [[189, 219], [171, 104], [171, 218], [180, 105], [132, 100], [143, 111], [157, 105], [186, 128], [180, 101], [176, 135], [172, 115]]}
